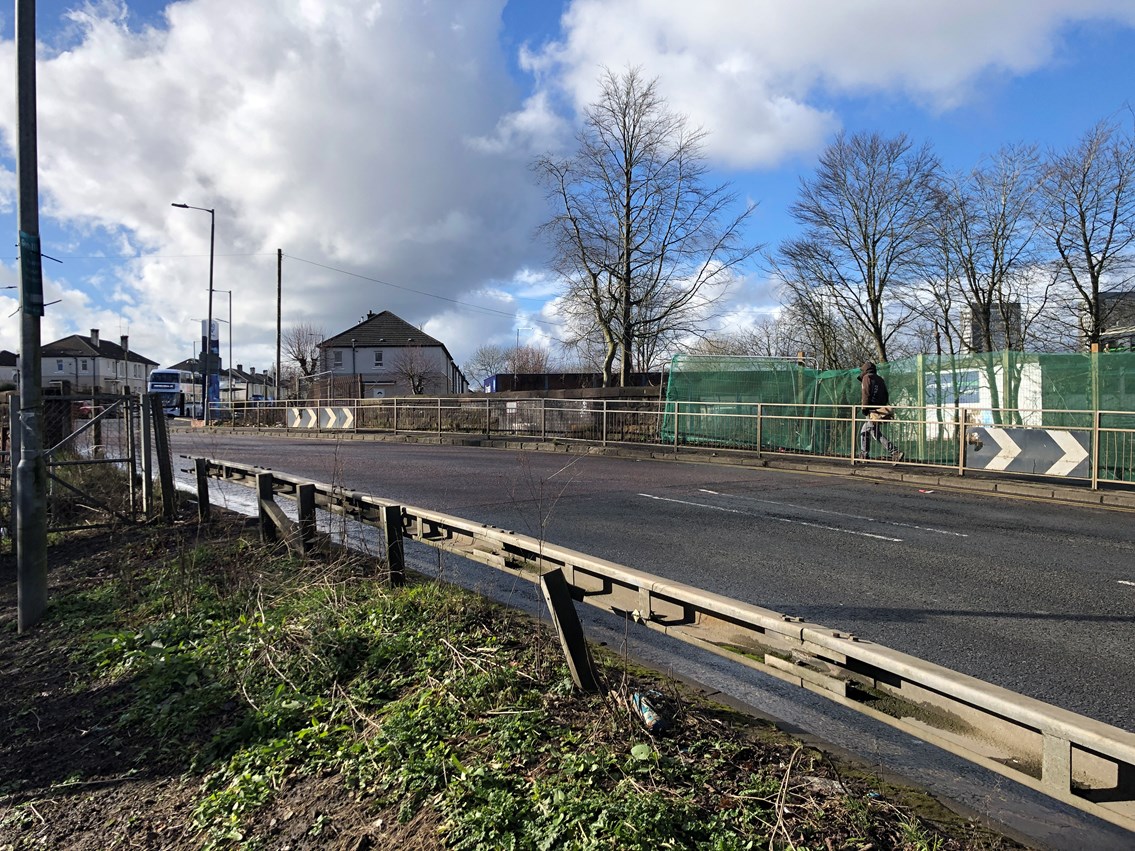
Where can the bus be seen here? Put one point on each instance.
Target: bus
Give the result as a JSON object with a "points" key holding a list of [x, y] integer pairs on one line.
{"points": [[179, 390]]}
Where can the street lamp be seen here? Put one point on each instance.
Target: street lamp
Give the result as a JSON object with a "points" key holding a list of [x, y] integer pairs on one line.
{"points": [[354, 367], [205, 373], [230, 294]]}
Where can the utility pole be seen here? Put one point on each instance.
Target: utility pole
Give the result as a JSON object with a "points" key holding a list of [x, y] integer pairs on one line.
{"points": [[31, 472]]}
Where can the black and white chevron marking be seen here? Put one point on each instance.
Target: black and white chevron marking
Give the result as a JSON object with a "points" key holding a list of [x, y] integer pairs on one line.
{"points": [[1045, 452]]}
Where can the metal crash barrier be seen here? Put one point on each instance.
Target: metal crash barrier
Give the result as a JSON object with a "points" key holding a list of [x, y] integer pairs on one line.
{"points": [[1069, 757]]}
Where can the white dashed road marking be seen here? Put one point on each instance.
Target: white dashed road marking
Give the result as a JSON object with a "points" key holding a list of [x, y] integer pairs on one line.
{"points": [[777, 519]]}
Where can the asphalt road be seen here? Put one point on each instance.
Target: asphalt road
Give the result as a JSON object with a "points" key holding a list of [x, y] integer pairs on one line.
{"points": [[1033, 596]]}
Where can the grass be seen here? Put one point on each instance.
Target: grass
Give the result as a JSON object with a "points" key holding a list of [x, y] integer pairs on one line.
{"points": [[293, 704]]}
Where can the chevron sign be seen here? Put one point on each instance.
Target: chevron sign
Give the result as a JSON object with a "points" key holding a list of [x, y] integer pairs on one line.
{"points": [[321, 418], [1044, 452]]}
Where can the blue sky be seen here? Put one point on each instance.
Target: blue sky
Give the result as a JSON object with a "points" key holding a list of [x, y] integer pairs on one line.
{"points": [[384, 146]]}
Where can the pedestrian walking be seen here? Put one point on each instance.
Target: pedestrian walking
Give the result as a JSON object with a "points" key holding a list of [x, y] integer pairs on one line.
{"points": [[877, 409]]}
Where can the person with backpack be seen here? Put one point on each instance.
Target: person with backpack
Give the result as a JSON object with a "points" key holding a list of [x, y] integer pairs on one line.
{"points": [[876, 409]]}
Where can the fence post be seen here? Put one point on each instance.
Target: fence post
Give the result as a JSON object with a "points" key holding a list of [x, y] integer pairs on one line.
{"points": [[201, 467], [963, 421], [1096, 449], [13, 463], [165, 462], [392, 545], [439, 417], [131, 451], [760, 427], [147, 459], [854, 437], [396, 415], [264, 495], [543, 418], [488, 418], [604, 422], [677, 414], [305, 503]]}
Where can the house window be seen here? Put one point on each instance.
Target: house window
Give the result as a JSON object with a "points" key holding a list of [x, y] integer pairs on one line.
{"points": [[83, 365], [59, 365], [337, 359], [378, 358]]}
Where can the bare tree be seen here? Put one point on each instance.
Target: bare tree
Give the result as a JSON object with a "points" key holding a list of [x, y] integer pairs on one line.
{"points": [[988, 253], [867, 216], [300, 345], [529, 359], [644, 245], [417, 367], [1088, 213], [489, 359]]}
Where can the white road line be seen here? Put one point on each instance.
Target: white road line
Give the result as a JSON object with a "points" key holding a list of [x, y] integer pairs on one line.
{"points": [[778, 519], [839, 514], [1125, 582]]}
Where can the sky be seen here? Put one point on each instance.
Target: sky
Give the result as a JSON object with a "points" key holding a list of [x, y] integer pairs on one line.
{"points": [[384, 146]]}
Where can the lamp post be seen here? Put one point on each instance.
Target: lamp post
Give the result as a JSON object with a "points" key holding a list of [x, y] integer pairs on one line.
{"points": [[230, 295], [207, 371], [354, 367]]}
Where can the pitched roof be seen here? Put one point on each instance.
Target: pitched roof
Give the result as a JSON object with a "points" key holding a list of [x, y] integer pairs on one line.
{"points": [[382, 329], [79, 346], [8, 358]]}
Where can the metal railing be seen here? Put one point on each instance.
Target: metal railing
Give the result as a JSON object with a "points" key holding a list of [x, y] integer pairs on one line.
{"points": [[937, 436], [1069, 757]]}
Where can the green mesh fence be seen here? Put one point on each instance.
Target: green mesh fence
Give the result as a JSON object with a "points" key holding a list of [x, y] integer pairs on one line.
{"points": [[712, 401]]}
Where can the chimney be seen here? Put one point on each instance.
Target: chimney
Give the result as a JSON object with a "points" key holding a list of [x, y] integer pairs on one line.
{"points": [[124, 341], [252, 370], [240, 367], [95, 337]]}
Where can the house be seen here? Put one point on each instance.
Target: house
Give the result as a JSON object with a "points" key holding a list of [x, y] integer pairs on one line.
{"points": [[247, 386], [385, 355], [9, 369], [93, 365]]}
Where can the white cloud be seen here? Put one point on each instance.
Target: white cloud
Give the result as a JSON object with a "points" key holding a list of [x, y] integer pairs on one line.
{"points": [[388, 139], [758, 73], [345, 133]]}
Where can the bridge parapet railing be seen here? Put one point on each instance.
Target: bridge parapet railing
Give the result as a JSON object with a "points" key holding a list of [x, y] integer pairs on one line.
{"points": [[1070, 444]]}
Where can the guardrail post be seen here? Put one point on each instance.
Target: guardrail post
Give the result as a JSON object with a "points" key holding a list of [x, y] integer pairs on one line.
{"points": [[392, 545], [543, 418], [201, 467], [396, 415], [1056, 766], [677, 414], [604, 422], [439, 416], [760, 427], [488, 418], [263, 497], [557, 594], [305, 503], [854, 438]]}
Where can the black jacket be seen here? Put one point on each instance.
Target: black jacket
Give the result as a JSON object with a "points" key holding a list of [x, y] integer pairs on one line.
{"points": [[874, 389]]}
